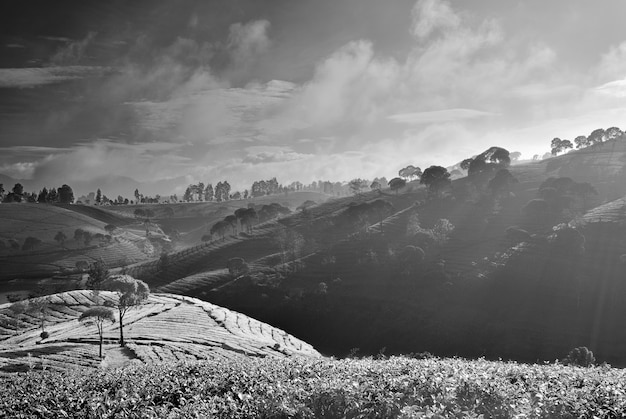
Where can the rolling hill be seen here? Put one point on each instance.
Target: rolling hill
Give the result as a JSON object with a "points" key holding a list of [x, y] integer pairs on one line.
{"points": [[166, 328]]}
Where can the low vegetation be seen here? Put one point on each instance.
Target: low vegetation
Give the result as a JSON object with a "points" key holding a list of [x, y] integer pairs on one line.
{"points": [[299, 388]]}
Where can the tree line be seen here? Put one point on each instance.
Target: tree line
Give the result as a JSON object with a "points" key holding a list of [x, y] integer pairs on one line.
{"points": [[62, 195]]}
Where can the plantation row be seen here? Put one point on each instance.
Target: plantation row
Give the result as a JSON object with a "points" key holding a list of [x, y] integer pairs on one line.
{"points": [[164, 328], [299, 388]]}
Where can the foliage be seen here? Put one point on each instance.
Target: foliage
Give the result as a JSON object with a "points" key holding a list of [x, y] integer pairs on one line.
{"points": [[98, 273], [581, 357], [131, 293], [98, 316], [363, 388], [237, 266], [30, 243], [436, 178], [558, 146], [396, 184]]}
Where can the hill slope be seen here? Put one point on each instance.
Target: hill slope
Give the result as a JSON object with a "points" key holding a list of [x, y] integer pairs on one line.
{"points": [[165, 328]]}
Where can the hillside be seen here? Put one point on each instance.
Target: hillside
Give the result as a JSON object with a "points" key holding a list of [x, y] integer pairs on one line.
{"points": [[49, 256], [166, 328]]}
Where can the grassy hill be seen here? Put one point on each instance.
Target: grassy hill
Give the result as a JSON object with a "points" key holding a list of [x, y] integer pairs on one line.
{"points": [[166, 328], [50, 257]]}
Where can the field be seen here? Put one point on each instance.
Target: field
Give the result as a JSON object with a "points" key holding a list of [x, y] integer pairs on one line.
{"points": [[166, 328], [304, 388]]}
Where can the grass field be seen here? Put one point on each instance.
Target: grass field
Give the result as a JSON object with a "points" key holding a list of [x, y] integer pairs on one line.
{"points": [[396, 387]]}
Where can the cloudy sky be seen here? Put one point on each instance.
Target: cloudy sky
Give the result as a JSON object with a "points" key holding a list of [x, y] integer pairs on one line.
{"points": [[304, 90]]}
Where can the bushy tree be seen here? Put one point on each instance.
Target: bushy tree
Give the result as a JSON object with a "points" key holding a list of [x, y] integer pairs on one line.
{"points": [[66, 195], [396, 184], [581, 141], [436, 178], [98, 273], [98, 316], [60, 238], [237, 266], [581, 357], [557, 145], [30, 243], [131, 293]]}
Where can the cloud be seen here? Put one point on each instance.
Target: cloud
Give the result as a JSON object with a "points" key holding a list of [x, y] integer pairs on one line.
{"points": [[247, 41], [615, 88], [432, 15], [73, 52], [33, 77], [445, 115]]}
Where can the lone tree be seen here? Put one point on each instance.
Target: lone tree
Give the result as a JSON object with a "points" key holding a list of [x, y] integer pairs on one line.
{"points": [[131, 293], [98, 316]]}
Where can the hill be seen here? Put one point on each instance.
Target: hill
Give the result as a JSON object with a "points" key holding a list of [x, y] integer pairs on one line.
{"points": [[50, 255], [166, 328]]}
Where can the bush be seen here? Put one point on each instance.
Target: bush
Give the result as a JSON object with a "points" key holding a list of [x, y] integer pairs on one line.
{"points": [[581, 357], [44, 335]]}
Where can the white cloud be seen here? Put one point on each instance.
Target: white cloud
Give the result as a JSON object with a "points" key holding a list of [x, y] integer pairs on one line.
{"points": [[615, 88]]}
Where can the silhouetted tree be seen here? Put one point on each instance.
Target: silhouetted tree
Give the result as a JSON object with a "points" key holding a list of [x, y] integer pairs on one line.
{"points": [[436, 178], [66, 195], [557, 145], [237, 266], [42, 198], [98, 197], [396, 184]]}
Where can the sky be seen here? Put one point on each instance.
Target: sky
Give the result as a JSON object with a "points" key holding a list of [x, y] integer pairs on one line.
{"points": [[169, 93]]}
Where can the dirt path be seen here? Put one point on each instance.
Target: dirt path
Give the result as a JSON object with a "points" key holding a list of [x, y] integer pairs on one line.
{"points": [[115, 357]]}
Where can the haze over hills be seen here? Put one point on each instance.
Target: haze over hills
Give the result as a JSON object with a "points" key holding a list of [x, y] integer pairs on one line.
{"points": [[354, 271]]}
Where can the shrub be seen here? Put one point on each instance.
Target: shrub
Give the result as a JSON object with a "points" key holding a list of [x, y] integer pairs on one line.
{"points": [[581, 357], [237, 266]]}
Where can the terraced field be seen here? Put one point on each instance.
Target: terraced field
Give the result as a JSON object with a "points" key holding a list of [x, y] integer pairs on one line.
{"points": [[43, 221], [165, 328]]}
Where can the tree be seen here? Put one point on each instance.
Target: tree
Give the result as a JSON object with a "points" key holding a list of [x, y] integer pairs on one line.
{"points": [[136, 196], [39, 308], [99, 197], [436, 178], [110, 228], [60, 238], [53, 195], [557, 145], [357, 185], [18, 308], [375, 186], [219, 228], [30, 243], [98, 316], [237, 266], [98, 273], [515, 155], [131, 293], [231, 220], [66, 195], [581, 141], [501, 182], [465, 164], [396, 184], [596, 137], [2, 191], [42, 198], [208, 192], [613, 133], [410, 172], [87, 238]]}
